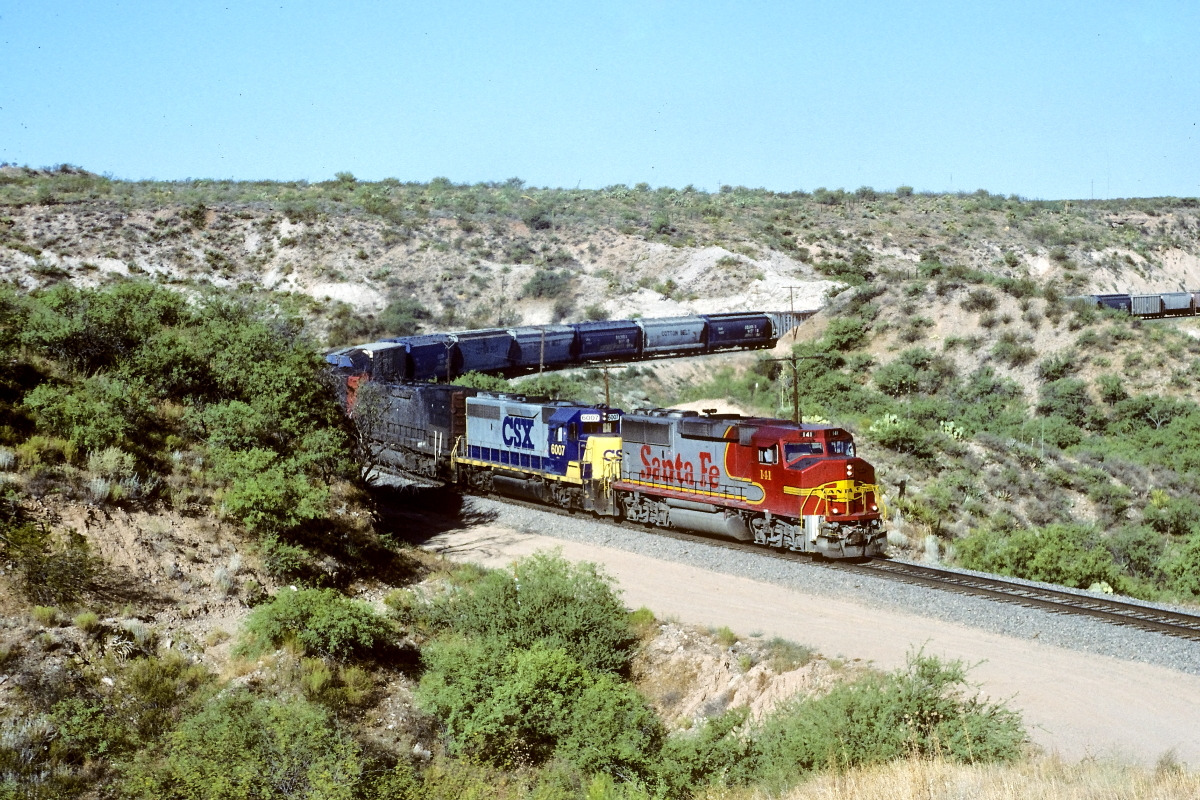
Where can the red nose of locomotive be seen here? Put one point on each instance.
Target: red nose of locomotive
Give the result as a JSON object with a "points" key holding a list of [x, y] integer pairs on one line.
{"points": [[839, 503]]}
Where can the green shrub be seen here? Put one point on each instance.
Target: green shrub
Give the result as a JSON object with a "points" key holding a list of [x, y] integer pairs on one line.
{"points": [[915, 371], [555, 385], [93, 329], [86, 621], [508, 707], [401, 317], [1138, 551], [848, 272], [545, 599], [32, 764], [266, 493], [1182, 567], [285, 560], [1058, 365], [231, 425], [979, 300], [1012, 351], [247, 747], [148, 696], [1173, 516], [548, 283], [322, 620], [725, 636], [1150, 412], [719, 753], [902, 435], [1067, 398], [100, 412], [479, 380], [1112, 389], [46, 616], [333, 686], [52, 569], [1071, 555], [785, 656], [925, 710], [1053, 430], [846, 333]]}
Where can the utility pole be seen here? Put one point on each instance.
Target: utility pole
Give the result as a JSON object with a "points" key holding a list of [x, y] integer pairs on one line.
{"points": [[606, 396], [796, 381], [792, 303], [542, 354]]}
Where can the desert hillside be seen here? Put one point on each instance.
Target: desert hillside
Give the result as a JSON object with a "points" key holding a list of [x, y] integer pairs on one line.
{"points": [[385, 257], [197, 575]]}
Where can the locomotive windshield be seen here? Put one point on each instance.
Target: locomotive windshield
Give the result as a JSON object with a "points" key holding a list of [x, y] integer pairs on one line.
{"points": [[794, 451], [599, 427]]}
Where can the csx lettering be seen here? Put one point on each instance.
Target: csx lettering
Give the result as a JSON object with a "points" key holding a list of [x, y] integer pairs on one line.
{"points": [[678, 472], [517, 432]]}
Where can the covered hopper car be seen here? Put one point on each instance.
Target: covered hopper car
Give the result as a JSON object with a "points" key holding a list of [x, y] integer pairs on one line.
{"points": [[513, 351], [1149, 306]]}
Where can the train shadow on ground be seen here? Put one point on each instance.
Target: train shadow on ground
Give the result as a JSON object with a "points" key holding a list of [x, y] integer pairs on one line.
{"points": [[415, 514]]}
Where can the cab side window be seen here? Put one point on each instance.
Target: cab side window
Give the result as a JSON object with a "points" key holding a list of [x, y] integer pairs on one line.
{"points": [[768, 455]]}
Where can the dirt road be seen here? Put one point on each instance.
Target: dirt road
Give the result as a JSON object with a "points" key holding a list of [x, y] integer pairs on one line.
{"points": [[1076, 704]]}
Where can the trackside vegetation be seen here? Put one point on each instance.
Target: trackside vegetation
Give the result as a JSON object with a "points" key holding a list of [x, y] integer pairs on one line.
{"points": [[520, 702], [135, 398], [1068, 468], [527, 667], [135, 395]]}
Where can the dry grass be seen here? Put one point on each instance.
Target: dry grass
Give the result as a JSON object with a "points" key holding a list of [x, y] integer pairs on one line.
{"points": [[1042, 778]]}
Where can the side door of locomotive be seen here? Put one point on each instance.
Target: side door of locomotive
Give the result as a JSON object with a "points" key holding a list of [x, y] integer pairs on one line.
{"points": [[767, 467]]}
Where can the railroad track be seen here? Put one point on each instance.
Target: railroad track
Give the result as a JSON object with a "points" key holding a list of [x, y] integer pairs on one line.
{"points": [[1117, 612]]}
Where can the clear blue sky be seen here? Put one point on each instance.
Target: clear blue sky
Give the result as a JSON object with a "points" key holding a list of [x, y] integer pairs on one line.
{"points": [[1042, 99]]}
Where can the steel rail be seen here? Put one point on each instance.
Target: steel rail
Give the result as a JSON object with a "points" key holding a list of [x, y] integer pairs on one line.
{"points": [[1118, 612]]}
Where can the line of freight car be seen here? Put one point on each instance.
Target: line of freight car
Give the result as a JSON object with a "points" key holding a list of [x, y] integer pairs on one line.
{"points": [[445, 356], [1166, 304]]}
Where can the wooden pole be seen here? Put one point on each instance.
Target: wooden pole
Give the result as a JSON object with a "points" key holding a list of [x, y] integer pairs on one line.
{"points": [[542, 354], [795, 392], [796, 418]]}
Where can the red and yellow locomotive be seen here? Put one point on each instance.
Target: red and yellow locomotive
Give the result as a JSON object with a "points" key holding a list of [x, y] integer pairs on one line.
{"points": [[769, 481]]}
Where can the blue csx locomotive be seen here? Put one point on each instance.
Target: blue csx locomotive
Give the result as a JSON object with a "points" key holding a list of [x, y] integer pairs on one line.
{"points": [[514, 351], [538, 449]]}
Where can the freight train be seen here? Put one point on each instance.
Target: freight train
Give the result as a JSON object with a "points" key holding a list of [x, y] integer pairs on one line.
{"points": [[515, 351], [768, 481], [1150, 306]]}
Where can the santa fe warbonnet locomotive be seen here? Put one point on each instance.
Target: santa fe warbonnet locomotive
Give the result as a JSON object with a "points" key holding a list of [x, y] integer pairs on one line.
{"points": [[769, 481]]}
